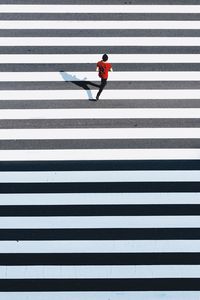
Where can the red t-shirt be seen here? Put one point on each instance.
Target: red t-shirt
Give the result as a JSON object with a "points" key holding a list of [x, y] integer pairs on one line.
{"points": [[104, 67]]}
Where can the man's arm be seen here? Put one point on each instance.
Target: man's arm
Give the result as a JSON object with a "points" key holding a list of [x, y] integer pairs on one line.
{"points": [[111, 70], [97, 69]]}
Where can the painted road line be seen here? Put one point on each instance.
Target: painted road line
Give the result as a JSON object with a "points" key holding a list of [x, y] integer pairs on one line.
{"points": [[98, 113], [93, 58], [99, 176], [168, 295], [97, 272], [100, 222], [99, 8], [148, 94], [99, 24], [100, 199], [100, 133], [99, 154], [92, 41], [95, 246]]}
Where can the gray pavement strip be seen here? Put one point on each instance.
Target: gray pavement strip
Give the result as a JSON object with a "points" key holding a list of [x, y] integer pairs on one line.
{"points": [[86, 86], [81, 67], [100, 123], [99, 33], [124, 103], [100, 16], [100, 144], [100, 49]]}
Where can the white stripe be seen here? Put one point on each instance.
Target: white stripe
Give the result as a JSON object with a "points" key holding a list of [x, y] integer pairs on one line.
{"points": [[99, 272], [106, 113], [99, 154], [100, 222], [85, 76], [99, 9], [100, 25], [92, 41], [100, 176], [94, 58], [99, 133], [95, 246], [100, 199], [107, 94], [166, 295]]}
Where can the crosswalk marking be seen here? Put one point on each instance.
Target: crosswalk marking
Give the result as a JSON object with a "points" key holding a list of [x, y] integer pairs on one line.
{"points": [[81, 272], [110, 94], [98, 296], [93, 58], [99, 24], [100, 154], [100, 133], [101, 246], [97, 113], [99, 200], [99, 8], [105, 176], [92, 41], [100, 222]]}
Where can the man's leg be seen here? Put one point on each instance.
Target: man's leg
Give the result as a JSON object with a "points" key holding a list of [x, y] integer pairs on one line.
{"points": [[102, 86]]}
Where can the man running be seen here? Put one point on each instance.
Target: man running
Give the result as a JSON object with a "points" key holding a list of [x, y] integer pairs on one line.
{"points": [[103, 67]]}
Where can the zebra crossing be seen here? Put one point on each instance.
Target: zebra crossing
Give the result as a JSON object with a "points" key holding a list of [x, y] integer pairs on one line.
{"points": [[99, 199]]}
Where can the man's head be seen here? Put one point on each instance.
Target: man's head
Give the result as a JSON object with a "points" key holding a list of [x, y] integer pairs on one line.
{"points": [[105, 57]]}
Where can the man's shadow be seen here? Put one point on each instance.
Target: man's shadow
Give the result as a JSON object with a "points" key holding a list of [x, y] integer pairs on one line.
{"points": [[79, 82]]}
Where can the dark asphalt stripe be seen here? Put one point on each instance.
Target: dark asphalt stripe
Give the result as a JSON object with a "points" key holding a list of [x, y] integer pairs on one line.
{"points": [[100, 49], [103, 165], [99, 210], [56, 104], [99, 234], [101, 123], [42, 285], [100, 187], [106, 2], [99, 33], [100, 144], [83, 259], [86, 86], [136, 67], [101, 16]]}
